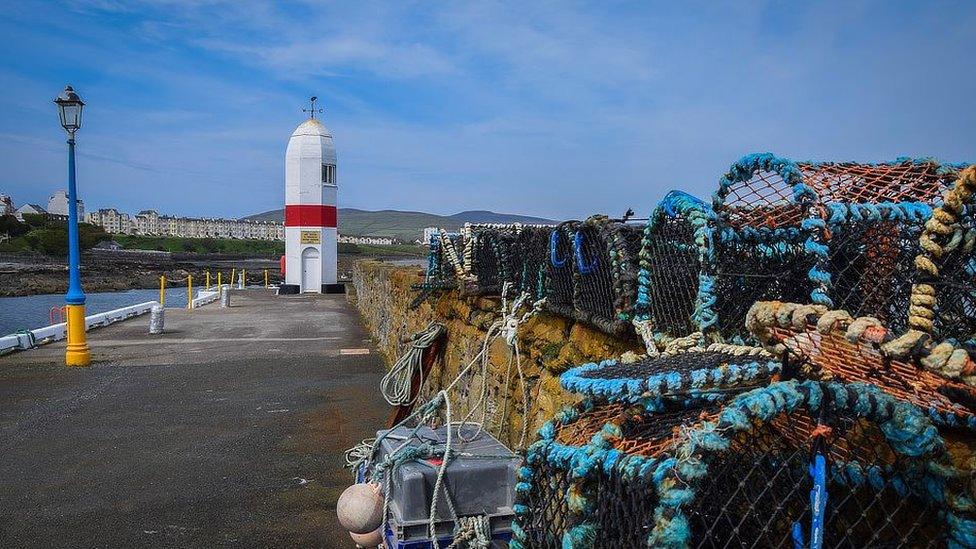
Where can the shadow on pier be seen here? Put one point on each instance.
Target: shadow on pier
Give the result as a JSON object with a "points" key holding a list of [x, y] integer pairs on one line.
{"points": [[228, 430]]}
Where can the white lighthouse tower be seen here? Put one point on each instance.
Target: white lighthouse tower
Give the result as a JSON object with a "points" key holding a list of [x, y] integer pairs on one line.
{"points": [[310, 209]]}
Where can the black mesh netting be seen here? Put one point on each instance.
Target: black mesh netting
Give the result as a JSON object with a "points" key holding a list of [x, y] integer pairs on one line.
{"points": [[491, 265], [548, 517], [955, 314], [605, 273], [531, 249], [672, 261], [872, 266], [757, 491], [625, 511], [559, 294], [747, 271]]}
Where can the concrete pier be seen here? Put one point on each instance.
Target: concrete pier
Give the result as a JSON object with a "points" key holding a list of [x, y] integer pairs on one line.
{"points": [[225, 431]]}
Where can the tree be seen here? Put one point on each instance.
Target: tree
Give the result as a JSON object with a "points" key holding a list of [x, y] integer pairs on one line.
{"points": [[11, 226]]}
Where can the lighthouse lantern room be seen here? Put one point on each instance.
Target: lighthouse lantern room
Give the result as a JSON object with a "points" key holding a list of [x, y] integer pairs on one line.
{"points": [[310, 209]]}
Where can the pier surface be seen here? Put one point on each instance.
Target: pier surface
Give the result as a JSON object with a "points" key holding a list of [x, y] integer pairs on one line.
{"points": [[226, 431]]}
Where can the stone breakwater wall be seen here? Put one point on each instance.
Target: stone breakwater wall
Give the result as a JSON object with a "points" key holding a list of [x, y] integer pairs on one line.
{"points": [[548, 344]]}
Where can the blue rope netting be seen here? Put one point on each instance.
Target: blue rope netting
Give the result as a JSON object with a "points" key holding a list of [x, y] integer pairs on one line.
{"points": [[679, 472], [606, 381]]}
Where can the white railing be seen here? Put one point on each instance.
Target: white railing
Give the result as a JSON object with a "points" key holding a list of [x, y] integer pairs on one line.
{"points": [[29, 339], [56, 332]]}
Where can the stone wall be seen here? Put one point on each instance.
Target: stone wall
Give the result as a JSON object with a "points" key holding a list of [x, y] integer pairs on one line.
{"points": [[549, 344]]}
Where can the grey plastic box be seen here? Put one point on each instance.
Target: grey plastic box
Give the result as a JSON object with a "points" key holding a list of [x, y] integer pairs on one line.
{"points": [[482, 483]]}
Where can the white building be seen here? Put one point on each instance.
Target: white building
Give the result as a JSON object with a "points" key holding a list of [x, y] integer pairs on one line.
{"points": [[430, 233], [28, 209], [57, 204], [111, 220], [151, 223], [310, 210], [373, 240]]}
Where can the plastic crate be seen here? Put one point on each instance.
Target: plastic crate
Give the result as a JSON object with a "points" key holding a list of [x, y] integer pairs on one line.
{"points": [[481, 483]]}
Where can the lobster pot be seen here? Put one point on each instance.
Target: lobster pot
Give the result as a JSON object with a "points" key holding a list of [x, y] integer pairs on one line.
{"points": [[749, 266], [853, 227], [531, 256], [605, 273], [872, 266], [758, 490], [439, 268], [670, 262], [746, 474], [561, 262], [491, 264]]}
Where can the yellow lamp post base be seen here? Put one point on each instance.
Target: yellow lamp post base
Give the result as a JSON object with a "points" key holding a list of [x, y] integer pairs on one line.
{"points": [[77, 352]]}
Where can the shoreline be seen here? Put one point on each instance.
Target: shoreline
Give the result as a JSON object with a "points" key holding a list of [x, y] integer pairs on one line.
{"points": [[26, 274]]}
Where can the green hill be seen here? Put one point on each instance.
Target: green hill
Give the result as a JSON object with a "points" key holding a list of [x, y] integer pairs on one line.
{"points": [[407, 226]]}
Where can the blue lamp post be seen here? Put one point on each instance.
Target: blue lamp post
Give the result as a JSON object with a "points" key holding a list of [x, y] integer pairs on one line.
{"points": [[77, 352]]}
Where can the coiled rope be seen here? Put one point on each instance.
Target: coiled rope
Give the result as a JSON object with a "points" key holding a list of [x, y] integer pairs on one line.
{"points": [[396, 384], [942, 234]]}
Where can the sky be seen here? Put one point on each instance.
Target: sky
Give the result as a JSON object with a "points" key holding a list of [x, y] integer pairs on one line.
{"points": [[557, 109]]}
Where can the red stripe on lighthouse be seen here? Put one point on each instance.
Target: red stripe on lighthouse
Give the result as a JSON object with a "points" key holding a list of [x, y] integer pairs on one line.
{"points": [[305, 215]]}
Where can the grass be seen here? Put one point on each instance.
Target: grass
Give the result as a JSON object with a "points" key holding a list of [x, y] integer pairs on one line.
{"points": [[200, 245], [255, 247]]}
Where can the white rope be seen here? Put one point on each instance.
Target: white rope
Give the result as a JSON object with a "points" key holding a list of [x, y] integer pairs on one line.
{"points": [[396, 384], [359, 454], [393, 390]]}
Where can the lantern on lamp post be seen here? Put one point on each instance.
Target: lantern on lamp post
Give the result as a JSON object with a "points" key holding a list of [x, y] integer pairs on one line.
{"points": [[77, 352]]}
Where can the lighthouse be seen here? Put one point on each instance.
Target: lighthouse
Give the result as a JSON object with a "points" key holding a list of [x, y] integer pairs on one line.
{"points": [[310, 209]]}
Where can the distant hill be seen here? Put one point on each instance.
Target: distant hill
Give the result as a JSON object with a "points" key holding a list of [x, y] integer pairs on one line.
{"points": [[407, 226]]}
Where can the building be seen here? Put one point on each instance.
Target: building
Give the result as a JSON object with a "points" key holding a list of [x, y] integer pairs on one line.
{"points": [[29, 209], [374, 240], [57, 204], [430, 234], [151, 223], [111, 220], [311, 188], [6, 205]]}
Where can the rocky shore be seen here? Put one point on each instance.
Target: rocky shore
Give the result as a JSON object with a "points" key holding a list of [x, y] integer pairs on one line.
{"points": [[107, 270]]}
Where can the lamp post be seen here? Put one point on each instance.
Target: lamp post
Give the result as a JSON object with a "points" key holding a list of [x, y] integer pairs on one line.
{"points": [[77, 352]]}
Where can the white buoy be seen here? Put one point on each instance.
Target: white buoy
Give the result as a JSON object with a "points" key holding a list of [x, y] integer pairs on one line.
{"points": [[370, 540], [360, 508]]}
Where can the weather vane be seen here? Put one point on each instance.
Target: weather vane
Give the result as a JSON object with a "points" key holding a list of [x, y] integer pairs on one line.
{"points": [[312, 110]]}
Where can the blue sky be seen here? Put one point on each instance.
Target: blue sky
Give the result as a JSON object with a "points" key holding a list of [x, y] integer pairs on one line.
{"points": [[558, 109]]}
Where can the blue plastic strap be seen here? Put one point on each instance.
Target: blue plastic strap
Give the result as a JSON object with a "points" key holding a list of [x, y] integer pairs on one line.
{"points": [[553, 255], [818, 500], [578, 250]]}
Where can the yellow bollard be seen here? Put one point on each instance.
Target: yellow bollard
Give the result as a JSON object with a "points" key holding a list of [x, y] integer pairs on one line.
{"points": [[243, 279], [77, 352], [233, 277], [265, 278], [189, 291], [218, 281], [162, 290], [208, 280]]}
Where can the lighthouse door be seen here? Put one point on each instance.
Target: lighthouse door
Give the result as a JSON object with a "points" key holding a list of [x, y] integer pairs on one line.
{"points": [[311, 270]]}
